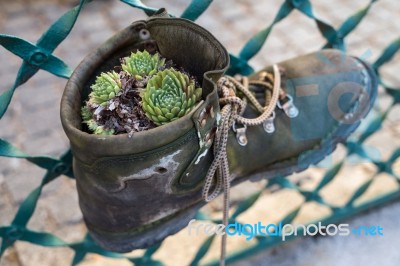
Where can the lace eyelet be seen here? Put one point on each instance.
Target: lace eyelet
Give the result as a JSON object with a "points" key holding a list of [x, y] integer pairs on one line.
{"points": [[288, 107], [268, 124]]}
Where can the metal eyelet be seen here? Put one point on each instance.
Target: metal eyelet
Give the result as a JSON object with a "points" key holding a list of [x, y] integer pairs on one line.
{"points": [[144, 34], [288, 107], [268, 124], [240, 134]]}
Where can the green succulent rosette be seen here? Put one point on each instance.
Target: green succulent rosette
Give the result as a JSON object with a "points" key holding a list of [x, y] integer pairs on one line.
{"points": [[141, 64], [105, 88], [169, 95]]}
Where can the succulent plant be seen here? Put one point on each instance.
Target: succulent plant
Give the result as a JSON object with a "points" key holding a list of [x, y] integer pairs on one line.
{"points": [[92, 124], [141, 64], [147, 93], [97, 129], [107, 85], [169, 95], [86, 113]]}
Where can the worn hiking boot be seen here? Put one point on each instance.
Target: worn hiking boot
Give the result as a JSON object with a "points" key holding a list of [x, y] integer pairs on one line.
{"points": [[134, 192]]}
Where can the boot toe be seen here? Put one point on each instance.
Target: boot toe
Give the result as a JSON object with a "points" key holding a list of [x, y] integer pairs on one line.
{"points": [[333, 97], [332, 92]]}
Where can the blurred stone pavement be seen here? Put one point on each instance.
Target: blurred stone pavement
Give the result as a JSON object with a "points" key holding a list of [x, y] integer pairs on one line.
{"points": [[32, 121]]}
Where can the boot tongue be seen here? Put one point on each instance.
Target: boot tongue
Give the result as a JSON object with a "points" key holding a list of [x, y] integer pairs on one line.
{"points": [[259, 93]]}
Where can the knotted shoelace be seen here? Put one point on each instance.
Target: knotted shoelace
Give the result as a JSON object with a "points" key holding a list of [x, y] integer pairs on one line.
{"points": [[232, 110]]}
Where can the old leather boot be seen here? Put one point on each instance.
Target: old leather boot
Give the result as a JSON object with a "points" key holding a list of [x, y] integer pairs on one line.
{"points": [[136, 191]]}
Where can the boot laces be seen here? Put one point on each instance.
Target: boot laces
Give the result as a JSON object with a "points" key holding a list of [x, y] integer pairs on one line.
{"points": [[231, 115]]}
